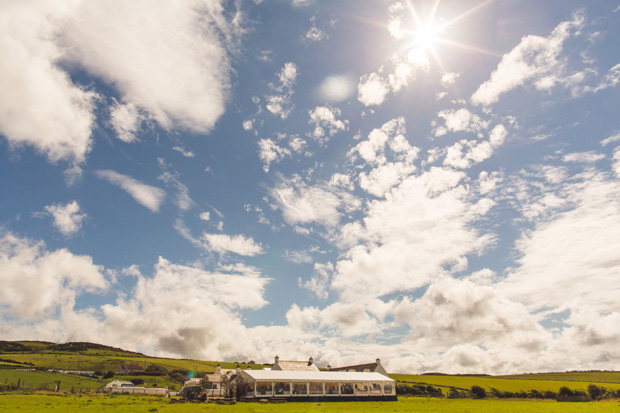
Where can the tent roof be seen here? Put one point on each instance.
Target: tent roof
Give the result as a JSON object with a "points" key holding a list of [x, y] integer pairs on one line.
{"points": [[284, 375]]}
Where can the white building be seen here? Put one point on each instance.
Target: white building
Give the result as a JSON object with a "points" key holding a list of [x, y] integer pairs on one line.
{"points": [[318, 385]]}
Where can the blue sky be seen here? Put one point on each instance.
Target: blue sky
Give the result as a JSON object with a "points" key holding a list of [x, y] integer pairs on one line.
{"points": [[435, 183]]}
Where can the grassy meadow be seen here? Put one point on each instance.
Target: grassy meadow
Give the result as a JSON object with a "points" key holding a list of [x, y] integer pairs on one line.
{"points": [[125, 403], [578, 381]]}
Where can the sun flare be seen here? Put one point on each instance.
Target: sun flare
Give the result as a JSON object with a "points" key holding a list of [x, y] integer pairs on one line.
{"points": [[425, 36]]}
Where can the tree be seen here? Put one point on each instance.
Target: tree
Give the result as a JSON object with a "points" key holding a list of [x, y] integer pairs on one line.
{"points": [[565, 391], [594, 391], [137, 381], [478, 392], [108, 375], [205, 383]]}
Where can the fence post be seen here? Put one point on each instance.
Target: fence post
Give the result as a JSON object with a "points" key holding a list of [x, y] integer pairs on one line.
{"points": [[19, 382]]}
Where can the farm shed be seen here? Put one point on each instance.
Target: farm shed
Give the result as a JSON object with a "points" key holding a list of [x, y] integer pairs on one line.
{"points": [[318, 385]]}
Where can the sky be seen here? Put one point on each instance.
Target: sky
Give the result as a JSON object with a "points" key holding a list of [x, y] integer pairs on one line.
{"points": [[435, 183]]}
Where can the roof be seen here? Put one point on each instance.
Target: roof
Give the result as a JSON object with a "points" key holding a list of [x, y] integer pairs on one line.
{"points": [[285, 375], [294, 366]]}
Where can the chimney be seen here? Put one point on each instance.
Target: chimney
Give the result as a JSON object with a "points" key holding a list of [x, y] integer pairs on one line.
{"points": [[378, 361], [310, 361], [329, 367], [238, 369], [218, 368], [277, 360]]}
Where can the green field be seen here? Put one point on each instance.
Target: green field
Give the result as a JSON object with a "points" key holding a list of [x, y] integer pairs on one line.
{"points": [[120, 403], [504, 383]]}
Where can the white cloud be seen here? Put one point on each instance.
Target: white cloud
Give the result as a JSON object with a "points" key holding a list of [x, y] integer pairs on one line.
{"points": [[319, 282], [280, 104], [461, 120], [172, 179], [449, 78], [195, 303], [146, 195], [373, 88], [325, 123], [160, 68], [126, 121], [36, 283], [613, 138], [303, 204], [575, 248], [205, 216], [583, 157], [39, 105], [67, 218], [535, 58], [184, 152], [413, 236], [612, 78], [270, 152], [238, 244]]}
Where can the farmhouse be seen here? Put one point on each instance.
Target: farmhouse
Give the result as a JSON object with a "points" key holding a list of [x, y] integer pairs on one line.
{"points": [[218, 382], [375, 367], [127, 369]]}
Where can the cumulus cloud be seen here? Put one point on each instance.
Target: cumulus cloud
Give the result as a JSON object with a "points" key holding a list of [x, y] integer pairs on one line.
{"points": [[574, 248], [195, 302], [423, 224], [67, 218], [146, 195], [40, 106], [280, 103], [461, 120], [303, 204], [535, 59], [159, 70], [126, 121], [238, 244], [36, 282], [373, 88], [325, 123]]}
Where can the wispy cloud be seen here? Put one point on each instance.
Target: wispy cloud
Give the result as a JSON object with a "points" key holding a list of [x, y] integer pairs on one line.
{"points": [[146, 195]]}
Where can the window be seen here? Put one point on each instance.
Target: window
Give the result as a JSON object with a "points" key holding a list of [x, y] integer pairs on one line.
{"points": [[263, 388], [316, 387], [388, 388], [375, 388], [346, 388], [361, 388], [331, 388], [300, 388], [282, 388]]}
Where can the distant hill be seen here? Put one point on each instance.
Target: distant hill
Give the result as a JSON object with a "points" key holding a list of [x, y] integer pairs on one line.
{"points": [[72, 347]]}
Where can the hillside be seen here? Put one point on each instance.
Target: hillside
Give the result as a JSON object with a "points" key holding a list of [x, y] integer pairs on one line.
{"points": [[16, 356]]}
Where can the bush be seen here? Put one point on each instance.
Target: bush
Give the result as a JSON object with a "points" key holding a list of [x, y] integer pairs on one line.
{"points": [[478, 392], [137, 381], [108, 375], [595, 392]]}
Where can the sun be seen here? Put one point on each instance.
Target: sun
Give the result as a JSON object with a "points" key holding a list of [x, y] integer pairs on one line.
{"points": [[426, 36]]}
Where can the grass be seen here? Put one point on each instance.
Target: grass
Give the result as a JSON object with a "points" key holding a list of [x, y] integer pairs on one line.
{"points": [[500, 383], [121, 403], [46, 380], [583, 376]]}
